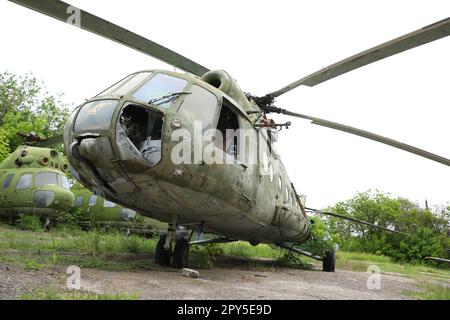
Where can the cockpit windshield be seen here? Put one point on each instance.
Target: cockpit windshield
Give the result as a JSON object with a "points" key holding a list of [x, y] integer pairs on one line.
{"points": [[127, 84], [51, 178], [95, 115], [159, 86]]}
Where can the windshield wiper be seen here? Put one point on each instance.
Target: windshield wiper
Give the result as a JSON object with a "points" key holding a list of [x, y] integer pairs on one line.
{"points": [[168, 97]]}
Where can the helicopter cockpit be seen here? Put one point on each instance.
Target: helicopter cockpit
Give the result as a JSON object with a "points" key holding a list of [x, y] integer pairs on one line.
{"points": [[145, 98]]}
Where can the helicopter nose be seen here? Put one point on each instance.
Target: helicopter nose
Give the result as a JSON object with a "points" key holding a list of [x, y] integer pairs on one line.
{"points": [[90, 150]]}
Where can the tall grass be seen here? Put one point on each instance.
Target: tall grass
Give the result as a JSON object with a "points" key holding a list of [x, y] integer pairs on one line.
{"points": [[244, 249]]}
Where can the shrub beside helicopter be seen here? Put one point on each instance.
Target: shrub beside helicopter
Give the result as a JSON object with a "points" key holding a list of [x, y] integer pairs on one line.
{"points": [[120, 144]]}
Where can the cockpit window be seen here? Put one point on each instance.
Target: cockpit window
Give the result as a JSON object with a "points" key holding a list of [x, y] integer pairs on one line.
{"points": [[7, 181], [63, 182], [95, 115], [25, 181], [46, 178], [159, 86], [200, 105], [124, 86]]}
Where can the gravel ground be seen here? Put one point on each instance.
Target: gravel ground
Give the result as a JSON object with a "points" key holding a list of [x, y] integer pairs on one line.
{"points": [[15, 281], [228, 282]]}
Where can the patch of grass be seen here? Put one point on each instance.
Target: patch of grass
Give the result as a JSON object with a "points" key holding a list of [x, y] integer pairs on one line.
{"points": [[244, 249], [293, 260], [32, 264], [31, 223], [93, 242], [360, 256], [361, 261], [108, 263], [53, 294], [432, 292], [204, 256]]}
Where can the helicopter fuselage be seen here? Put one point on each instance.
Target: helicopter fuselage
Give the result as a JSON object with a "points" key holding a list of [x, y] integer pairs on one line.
{"points": [[96, 211], [32, 182], [174, 145]]}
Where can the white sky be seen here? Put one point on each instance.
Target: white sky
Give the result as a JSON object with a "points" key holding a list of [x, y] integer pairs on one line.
{"points": [[266, 45]]}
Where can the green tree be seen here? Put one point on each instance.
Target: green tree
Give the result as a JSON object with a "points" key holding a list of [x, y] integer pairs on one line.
{"points": [[26, 106], [427, 230]]}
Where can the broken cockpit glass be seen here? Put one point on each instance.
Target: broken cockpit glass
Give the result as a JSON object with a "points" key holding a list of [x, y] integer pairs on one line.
{"points": [[143, 128]]}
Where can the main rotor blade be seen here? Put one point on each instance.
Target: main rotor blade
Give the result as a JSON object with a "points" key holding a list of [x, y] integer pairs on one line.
{"points": [[52, 141], [67, 13], [369, 135], [411, 40], [355, 220]]}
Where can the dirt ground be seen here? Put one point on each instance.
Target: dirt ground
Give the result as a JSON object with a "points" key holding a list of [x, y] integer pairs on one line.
{"points": [[225, 281]]}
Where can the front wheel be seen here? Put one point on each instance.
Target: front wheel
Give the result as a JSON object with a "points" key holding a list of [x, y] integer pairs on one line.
{"points": [[181, 254], [162, 256], [329, 261]]}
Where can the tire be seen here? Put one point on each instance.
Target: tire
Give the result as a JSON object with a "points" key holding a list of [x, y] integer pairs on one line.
{"points": [[329, 261], [162, 256], [181, 254]]}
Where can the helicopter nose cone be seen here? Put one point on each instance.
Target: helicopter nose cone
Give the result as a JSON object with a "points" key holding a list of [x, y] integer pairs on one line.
{"points": [[89, 150], [97, 151]]}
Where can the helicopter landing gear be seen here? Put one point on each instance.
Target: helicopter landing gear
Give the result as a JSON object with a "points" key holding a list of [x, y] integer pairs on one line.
{"points": [[164, 252], [47, 224], [162, 255], [329, 261], [181, 253]]}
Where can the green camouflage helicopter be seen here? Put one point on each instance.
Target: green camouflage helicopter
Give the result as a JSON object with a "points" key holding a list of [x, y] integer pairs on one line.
{"points": [[105, 214], [33, 182], [139, 143]]}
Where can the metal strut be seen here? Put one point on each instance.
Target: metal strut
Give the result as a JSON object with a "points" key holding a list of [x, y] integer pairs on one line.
{"points": [[303, 253]]}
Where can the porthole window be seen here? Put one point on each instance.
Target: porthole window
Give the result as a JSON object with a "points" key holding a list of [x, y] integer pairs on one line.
{"points": [[108, 204], [78, 201], [92, 200]]}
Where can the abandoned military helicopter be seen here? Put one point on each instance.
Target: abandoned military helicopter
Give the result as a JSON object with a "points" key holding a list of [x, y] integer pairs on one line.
{"points": [[33, 182], [133, 145], [105, 214]]}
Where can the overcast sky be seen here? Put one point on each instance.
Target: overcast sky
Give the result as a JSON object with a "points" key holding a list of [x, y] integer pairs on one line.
{"points": [[265, 45]]}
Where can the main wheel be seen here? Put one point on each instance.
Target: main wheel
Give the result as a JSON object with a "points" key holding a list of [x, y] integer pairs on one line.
{"points": [[329, 261], [162, 256], [181, 254]]}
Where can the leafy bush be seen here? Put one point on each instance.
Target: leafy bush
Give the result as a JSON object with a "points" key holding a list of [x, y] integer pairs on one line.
{"points": [[320, 240], [205, 255], [30, 223], [427, 230], [71, 218]]}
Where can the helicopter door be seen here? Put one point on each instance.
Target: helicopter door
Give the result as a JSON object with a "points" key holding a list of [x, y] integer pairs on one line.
{"points": [[5, 180], [231, 138], [23, 194]]}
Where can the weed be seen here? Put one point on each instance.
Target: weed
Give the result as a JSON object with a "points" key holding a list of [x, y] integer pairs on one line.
{"points": [[30, 223]]}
